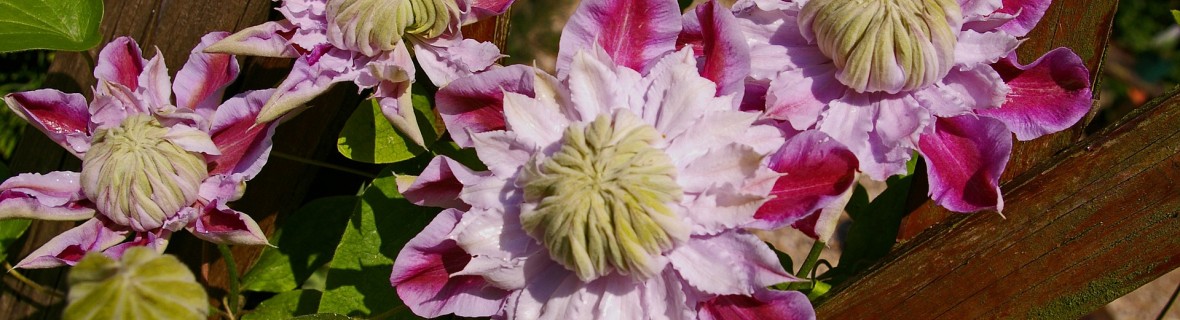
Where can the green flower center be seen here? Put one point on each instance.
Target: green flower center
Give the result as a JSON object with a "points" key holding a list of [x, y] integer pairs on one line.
{"points": [[601, 202], [138, 178], [886, 45], [371, 26]]}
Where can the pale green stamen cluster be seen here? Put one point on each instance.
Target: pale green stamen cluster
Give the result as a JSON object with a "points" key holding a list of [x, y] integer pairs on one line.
{"points": [[886, 45], [602, 202], [372, 26], [138, 178]]}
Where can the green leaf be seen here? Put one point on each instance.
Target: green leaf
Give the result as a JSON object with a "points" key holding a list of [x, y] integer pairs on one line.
{"points": [[1176, 15], [305, 241], [684, 4], [358, 280], [70, 25], [874, 227], [143, 285], [369, 137], [286, 305], [322, 316]]}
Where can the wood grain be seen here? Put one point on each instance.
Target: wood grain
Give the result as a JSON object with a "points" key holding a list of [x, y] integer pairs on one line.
{"points": [[1098, 222], [1081, 25]]}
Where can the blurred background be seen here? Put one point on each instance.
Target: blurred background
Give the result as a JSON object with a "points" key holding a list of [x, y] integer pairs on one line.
{"points": [[1142, 63]]}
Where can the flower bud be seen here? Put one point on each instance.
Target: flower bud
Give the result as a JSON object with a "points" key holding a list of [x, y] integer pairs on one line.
{"points": [[374, 26], [885, 45], [138, 178]]}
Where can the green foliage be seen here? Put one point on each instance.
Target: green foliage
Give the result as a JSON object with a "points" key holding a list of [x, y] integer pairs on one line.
{"points": [[322, 316], [10, 229], [874, 227], [70, 25], [1176, 15], [19, 71], [286, 305], [304, 243], [369, 137], [381, 224], [143, 285]]}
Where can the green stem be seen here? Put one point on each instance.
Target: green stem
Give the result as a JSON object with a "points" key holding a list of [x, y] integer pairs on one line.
{"points": [[388, 313], [19, 277], [321, 164], [1169, 305], [231, 270], [812, 260]]}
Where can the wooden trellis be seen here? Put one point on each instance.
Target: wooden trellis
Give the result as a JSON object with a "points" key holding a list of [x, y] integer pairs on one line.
{"points": [[1089, 218]]}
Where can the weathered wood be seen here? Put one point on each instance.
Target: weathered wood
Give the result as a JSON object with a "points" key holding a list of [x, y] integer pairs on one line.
{"points": [[1081, 25], [1098, 222]]}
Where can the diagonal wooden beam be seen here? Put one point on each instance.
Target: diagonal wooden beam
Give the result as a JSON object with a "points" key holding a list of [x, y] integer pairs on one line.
{"points": [[1091, 225]]}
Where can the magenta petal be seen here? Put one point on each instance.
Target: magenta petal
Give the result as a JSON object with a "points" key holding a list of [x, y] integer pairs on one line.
{"points": [[445, 60], [635, 33], [766, 304], [440, 183], [155, 241], [244, 145], [53, 196], [817, 170], [305, 82], [120, 62], [69, 247], [476, 104], [1047, 96], [716, 38], [422, 275], [965, 157], [201, 82], [64, 117], [1028, 13], [265, 40], [486, 8], [731, 262], [219, 224]]}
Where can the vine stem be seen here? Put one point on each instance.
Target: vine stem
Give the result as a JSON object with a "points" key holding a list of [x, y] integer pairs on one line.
{"points": [[232, 270], [812, 261], [321, 164], [19, 277]]}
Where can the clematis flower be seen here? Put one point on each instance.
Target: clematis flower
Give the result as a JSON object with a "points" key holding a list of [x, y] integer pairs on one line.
{"points": [[151, 165], [890, 77], [620, 189], [364, 41]]}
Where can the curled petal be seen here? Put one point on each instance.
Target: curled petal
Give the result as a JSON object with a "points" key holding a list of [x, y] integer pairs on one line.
{"points": [[717, 41], [424, 275], [445, 60], [219, 224], [1027, 12], [476, 104], [735, 262], [64, 117], [634, 33], [244, 145], [265, 40], [52, 196], [1047, 96], [191, 139], [305, 82], [120, 61], [481, 9], [200, 84], [965, 157], [157, 241], [440, 183], [766, 304], [69, 247], [816, 170], [800, 95]]}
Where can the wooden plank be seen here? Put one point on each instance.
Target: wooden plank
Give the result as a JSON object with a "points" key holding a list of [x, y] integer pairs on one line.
{"points": [[1098, 222], [1081, 25]]}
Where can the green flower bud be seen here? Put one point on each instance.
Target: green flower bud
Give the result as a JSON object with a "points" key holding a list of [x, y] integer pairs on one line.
{"points": [[141, 285], [137, 177], [373, 26], [885, 45], [602, 201]]}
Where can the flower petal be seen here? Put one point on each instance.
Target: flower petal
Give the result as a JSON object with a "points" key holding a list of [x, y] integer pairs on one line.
{"points": [[734, 262], [264, 40], [502, 151], [634, 33], [423, 275], [535, 121], [1047, 96], [200, 84], [244, 145], [965, 157], [481, 9], [219, 224], [817, 171], [445, 60], [976, 48], [476, 104], [439, 184], [154, 84], [53, 196], [64, 117], [69, 247], [120, 61], [305, 82], [765, 304], [800, 95], [717, 40], [191, 139], [1028, 13]]}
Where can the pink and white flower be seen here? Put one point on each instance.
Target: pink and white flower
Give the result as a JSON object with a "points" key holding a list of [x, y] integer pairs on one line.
{"points": [[890, 77], [620, 189], [151, 165], [364, 41]]}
